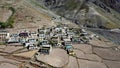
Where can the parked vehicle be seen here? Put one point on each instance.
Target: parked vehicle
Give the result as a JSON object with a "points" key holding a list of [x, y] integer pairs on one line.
{"points": [[70, 52]]}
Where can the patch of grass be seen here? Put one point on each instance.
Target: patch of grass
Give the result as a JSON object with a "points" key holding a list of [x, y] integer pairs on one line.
{"points": [[7, 24], [3, 25], [12, 9], [72, 4], [10, 21], [38, 4], [111, 25], [53, 43], [2, 43]]}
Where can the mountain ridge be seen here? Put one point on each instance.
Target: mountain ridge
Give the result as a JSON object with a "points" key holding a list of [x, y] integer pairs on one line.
{"points": [[71, 9]]}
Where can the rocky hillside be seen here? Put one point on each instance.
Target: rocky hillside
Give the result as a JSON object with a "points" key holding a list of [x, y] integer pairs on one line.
{"points": [[88, 13], [115, 4]]}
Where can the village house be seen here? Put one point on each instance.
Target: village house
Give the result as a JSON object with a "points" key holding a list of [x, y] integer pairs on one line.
{"points": [[31, 41], [56, 41], [67, 43], [76, 40], [48, 35], [85, 39], [58, 29], [14, 35], [45, 30], [4, 35], [51, 34], [14, 41], [45, 47], [55, 38], [44, 33], [33, 34], [23, 36], [43, 42], [31, 47], [84, 36], [63, 37], [70, 34], [83, 31], [61, 34], [41, 36], [64, 29]]}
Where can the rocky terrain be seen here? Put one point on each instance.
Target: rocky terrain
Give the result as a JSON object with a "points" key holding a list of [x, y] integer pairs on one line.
{"points": [[84, 12], [115, 4], [113, 36]]}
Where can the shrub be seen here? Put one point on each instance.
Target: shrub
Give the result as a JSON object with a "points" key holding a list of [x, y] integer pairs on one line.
{"points": [[10, 21]]}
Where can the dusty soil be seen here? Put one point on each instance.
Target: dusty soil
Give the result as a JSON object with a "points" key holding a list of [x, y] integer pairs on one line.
{"points": [[5, 13], [57, 58]]}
